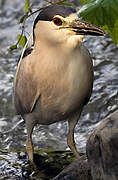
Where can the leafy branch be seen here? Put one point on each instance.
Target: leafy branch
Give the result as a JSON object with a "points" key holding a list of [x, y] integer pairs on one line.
{"points": [[103, 13], [21, 38]]}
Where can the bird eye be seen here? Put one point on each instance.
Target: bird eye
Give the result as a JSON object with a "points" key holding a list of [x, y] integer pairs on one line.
{"points": [[57, 21]]}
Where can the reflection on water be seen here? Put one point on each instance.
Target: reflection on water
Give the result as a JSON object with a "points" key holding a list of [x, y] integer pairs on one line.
{"points": [[104, 99]]}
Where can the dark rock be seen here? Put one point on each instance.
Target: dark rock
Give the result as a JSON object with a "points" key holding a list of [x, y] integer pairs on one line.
{"points": [[102, 149], [78, 170]]}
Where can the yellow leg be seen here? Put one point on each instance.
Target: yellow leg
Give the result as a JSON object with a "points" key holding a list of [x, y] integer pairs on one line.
{"points": [[30, 123], [29, 148], [70, 136]]}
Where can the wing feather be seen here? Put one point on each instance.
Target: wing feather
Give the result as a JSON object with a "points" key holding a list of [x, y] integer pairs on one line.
{"points": [[26, 92]]}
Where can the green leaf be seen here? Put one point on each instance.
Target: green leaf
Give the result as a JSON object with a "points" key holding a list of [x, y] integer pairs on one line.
{"points": [[13, 47], [30, 9], [65, 3], [26, 6], [61, 2], [84, 1], [23, 18], [21, 40], [103, 13]]}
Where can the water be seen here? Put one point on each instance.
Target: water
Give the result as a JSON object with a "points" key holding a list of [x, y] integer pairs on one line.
{"points": [[104, 98]]}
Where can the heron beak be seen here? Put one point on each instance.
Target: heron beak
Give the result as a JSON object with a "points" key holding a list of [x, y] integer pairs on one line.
{"points": [[84, 28]]}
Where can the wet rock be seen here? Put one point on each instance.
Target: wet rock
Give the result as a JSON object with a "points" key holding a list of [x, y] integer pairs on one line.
{"points": [[78, 170], [102, 153], [102, 149]]}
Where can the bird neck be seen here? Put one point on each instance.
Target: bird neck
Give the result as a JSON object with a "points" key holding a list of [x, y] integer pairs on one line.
{"points": [[68, 46]]}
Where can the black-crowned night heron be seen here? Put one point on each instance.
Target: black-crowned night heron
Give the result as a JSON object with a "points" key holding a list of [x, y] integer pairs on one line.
{"points": [[54, 81]]}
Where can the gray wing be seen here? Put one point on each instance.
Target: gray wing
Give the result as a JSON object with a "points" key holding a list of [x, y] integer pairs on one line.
{"points": [[26, 52], [26, 92], [87, 55]]}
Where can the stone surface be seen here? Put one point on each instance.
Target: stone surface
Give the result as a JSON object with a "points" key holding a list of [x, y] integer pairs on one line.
{"points": [[102, 149], [102, 154], [78, 170]]}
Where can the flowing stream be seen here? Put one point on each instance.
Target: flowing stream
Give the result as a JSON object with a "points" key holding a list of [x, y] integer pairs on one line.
{"points": [[104, 99]]}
